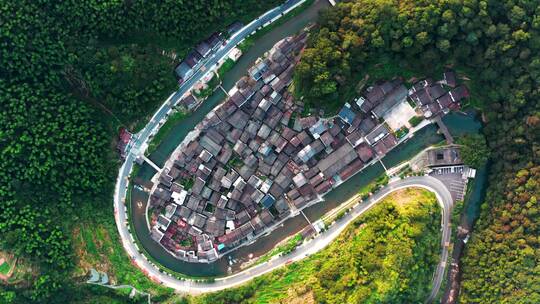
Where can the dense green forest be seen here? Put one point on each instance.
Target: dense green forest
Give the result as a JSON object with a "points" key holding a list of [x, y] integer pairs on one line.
{"points": [[503, 259], [495, 47], [388, 255], [72, 72]]}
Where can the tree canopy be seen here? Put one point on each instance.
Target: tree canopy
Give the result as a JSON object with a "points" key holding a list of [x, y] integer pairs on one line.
{"points": [[474, 150]]}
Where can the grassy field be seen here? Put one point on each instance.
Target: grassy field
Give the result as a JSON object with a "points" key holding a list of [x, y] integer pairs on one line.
{"points": [[388, 255], [415, 120]]}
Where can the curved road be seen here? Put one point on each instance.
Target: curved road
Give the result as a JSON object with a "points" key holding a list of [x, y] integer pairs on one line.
{"points": [[140, 139], [142, 136], [319, 242]]}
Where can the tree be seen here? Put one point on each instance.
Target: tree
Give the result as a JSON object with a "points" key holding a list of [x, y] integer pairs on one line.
{"points": [[474, 150]]}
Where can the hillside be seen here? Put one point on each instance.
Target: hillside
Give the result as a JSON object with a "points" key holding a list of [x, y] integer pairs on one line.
{"points": [[494, 45], [388, 255]]}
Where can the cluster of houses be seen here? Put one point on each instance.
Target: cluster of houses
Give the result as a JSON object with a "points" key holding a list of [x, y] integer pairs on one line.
{"points": [[256, 160], [203, 50], [433, 98]]}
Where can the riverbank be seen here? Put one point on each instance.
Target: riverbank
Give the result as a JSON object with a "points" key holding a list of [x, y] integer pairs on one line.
{"points": [[252, 39], [460, 126], [471, 211]]}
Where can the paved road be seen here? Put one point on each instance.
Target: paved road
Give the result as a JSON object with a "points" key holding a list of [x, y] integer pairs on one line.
{"points": [[141, 138], [321, 241]]}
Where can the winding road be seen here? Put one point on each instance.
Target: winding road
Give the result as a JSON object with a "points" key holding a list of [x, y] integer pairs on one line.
{"points": [[140, 140], [318, 243], [142, 136]]}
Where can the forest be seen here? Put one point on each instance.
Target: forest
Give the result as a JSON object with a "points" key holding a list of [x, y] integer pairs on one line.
{"points": [[72, 73], [495, 47]]}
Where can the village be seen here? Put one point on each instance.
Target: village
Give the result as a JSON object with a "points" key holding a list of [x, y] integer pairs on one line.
{"points": [[257, 159]]}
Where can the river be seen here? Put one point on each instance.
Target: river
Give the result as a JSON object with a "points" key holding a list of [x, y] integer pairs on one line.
{"points": [[177, 134], [422, 139], [460, 125]]}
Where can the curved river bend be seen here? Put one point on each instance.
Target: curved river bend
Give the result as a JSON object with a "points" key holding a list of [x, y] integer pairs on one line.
{"points": [[422, 139]]}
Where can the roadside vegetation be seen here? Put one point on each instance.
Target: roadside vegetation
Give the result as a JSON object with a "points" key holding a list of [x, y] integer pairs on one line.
{"points": [[362, 195], [387, 255], [225, 67], [249, 41], [172, 121], [372, 187], [281, 249], [98, 246]]}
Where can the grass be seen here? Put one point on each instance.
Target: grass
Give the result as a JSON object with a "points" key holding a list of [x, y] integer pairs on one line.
{"points": [[225, 67], [415, 121], [250, 41], [286, 248], [401, 132], [171, 122], [134, 171], [405, 172], [374, 186], [411, 103]]}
